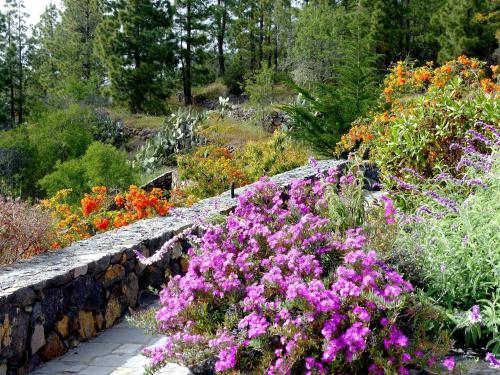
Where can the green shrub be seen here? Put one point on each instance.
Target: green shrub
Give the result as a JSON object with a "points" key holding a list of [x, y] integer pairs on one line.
{"points": [[209, 171], [61, 135], [102, 165], [18, 163], [454, 241], [425, 110], [260, 87], [267, 158], [234, 77], [107, 166]]}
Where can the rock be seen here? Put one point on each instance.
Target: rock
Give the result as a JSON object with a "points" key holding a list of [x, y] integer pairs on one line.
{"points": [[113, 311], [62, 326], [114, 273], [53, 348], [176, 251], [152, 277], [86, 325], [99, 321], [36, 313], [146, 298], [3, 369], [86, 294], [184, 262], [14, 324], [80, 271], [131, 289], [100, 265], [38, 338], [23, 297], [274, 121], [52, 303], [207, 367]]}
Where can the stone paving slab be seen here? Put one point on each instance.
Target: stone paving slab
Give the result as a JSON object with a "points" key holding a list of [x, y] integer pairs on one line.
{"points": [[114, 352]]}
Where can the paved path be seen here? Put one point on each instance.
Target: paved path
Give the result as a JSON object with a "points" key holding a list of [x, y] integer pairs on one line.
{"points": [[115, 351]]}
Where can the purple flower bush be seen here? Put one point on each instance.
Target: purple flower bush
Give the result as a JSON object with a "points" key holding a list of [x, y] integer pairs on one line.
{"points": [[452, 239], [278, 289]]}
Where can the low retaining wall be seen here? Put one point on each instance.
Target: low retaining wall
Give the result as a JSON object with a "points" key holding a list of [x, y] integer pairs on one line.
{"points": [[50, 303]]}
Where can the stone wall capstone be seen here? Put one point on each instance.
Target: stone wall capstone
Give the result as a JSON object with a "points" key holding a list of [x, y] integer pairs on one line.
{"points": [[50, 303]]}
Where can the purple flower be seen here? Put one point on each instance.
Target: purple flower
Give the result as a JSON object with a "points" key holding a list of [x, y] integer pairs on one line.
{"points": [[449, 363], [475, 314], [493, 361], [227, 359], [445, 202]]}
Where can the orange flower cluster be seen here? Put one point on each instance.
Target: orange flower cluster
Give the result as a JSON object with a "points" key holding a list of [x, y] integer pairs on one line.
{"points": [[489, 86], [96, 213], [93, 203], [405, 82], [68, 222], [404, 79]]}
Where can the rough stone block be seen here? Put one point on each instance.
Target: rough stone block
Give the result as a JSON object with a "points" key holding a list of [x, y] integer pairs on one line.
{"points": [[62, 326], [37, 338], [53, 348], [114, 273], [131, 290], [86, 325], [113, 311]]}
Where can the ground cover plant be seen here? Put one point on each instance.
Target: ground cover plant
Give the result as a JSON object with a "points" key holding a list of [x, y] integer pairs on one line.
{"points": [[280, 288]]}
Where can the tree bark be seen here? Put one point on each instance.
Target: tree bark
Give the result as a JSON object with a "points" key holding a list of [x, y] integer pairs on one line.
{"points": [[221, 34], [188, 96]]}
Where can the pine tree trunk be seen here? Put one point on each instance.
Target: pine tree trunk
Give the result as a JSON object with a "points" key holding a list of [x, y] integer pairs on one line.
{"points": [[188, 96], [261, 39], [276, 54], [86, 62], [11, 78], [221, 36]]}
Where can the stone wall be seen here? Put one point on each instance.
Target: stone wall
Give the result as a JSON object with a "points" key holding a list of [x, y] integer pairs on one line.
{"points": [[50, 303]]}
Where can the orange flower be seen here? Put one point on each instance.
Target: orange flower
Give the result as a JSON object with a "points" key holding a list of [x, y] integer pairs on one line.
{"points": [[119, 200], [464, 60], [55, 245], [422, 75], [89, 205], [101, 224], [494, 69], [488, 85], [102, 190]]}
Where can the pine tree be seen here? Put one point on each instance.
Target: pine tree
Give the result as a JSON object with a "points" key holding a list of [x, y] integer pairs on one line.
{"points": [[191, 27], [319, 29], [461, 30], [44, 58], [82, 72], [135, 43], [4, 103], [221, 20], [244, 34], [401, 29], [356, 69], [16, 58], [326, 112]]}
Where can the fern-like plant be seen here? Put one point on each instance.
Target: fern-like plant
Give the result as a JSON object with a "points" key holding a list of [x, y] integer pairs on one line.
{"points": [[322, 115]]}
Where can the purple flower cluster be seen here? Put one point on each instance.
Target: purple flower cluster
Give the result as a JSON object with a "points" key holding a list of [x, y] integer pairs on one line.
{"points": [[267, 280]]}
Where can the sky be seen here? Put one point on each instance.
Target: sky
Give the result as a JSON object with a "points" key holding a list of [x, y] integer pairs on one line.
{"points": [[34, 8]]}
